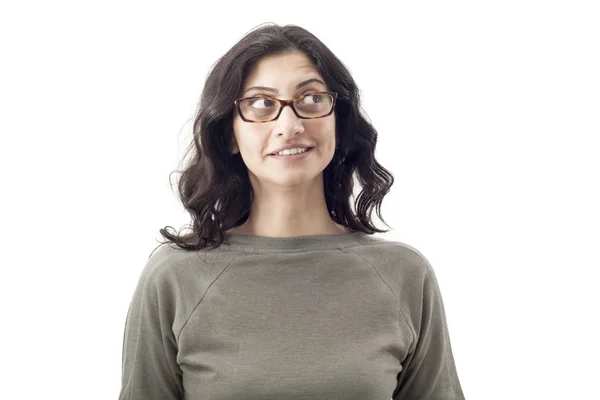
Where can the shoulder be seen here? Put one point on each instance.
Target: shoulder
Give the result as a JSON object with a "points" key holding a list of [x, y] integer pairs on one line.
{"points": [[394, 258], [170, 265], [165, 258]]}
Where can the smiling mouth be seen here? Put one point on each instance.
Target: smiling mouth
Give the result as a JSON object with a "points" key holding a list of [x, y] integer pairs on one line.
{"points": [[288, 155]]}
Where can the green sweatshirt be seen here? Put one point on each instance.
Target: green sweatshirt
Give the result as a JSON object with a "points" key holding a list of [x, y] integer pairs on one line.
{"points": [[330, 317]]}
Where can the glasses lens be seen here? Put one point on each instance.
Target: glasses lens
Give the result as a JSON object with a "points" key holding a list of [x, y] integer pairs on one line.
{"points": [[264, 109], [259, 108], [314, 105]]}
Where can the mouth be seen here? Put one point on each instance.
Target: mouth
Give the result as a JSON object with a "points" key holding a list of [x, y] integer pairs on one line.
{"points": [[293, 156]]}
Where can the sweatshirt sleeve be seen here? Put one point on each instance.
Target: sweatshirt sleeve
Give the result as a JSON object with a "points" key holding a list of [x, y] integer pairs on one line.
{"points": [[429, 371], [149, 356]]}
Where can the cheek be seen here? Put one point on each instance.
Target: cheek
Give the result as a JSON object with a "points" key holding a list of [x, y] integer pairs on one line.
{"points": [[248, 139], [330, 129]]}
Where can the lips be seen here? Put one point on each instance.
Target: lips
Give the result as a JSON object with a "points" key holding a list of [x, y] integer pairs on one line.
{"points": [[307, 150]]}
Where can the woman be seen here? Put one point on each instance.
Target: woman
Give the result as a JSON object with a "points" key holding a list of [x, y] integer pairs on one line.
{"points": [[279, 291]]}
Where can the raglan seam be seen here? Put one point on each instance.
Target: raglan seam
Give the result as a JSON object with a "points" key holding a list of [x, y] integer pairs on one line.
{"points": [[158, 264], [203, 296], [398, 301]]}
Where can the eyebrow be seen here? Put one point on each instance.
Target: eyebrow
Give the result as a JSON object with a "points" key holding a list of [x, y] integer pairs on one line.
{"points": [[298, 86]]}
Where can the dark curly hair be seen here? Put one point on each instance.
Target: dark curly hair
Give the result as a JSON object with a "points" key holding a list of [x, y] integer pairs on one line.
{"points": [[215, 187]]}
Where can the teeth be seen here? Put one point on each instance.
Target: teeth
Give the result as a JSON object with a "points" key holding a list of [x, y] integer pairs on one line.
{"points": [[288, 152]]}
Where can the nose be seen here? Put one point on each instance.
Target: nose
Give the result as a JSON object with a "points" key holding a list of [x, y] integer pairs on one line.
{"points": [[287, 110], [288, 121]]}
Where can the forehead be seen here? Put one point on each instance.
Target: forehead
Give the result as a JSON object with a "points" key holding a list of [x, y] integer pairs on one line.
{"points": [[281, 70]]}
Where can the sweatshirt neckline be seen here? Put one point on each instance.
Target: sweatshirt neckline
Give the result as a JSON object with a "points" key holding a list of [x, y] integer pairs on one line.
{"points": [[252, 242]]}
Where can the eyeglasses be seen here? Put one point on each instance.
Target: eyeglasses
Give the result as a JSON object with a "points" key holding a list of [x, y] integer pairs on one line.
{"points": [[264, 108]]}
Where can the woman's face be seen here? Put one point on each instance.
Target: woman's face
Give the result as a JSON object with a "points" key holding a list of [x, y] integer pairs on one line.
{"points": [[256, 141]]}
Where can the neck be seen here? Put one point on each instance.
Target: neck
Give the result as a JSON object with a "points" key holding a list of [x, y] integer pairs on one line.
{"points": [[290, 212]]}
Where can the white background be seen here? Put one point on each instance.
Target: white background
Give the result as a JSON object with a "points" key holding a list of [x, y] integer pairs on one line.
{"points": [[487, 114]]}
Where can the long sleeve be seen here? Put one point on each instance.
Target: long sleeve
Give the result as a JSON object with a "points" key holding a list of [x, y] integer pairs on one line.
{"points": [[149, 355], [429, 370]]}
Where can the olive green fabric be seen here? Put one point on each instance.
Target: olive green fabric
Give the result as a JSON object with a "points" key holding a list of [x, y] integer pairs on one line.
{"points": [[330, 317]]}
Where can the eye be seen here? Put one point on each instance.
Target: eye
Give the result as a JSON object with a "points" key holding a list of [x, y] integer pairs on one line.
{"points": [[311, 98], [262, 102]]}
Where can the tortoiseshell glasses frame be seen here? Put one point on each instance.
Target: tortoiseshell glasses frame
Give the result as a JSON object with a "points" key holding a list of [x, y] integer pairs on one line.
{"points": [[283, 103]]}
